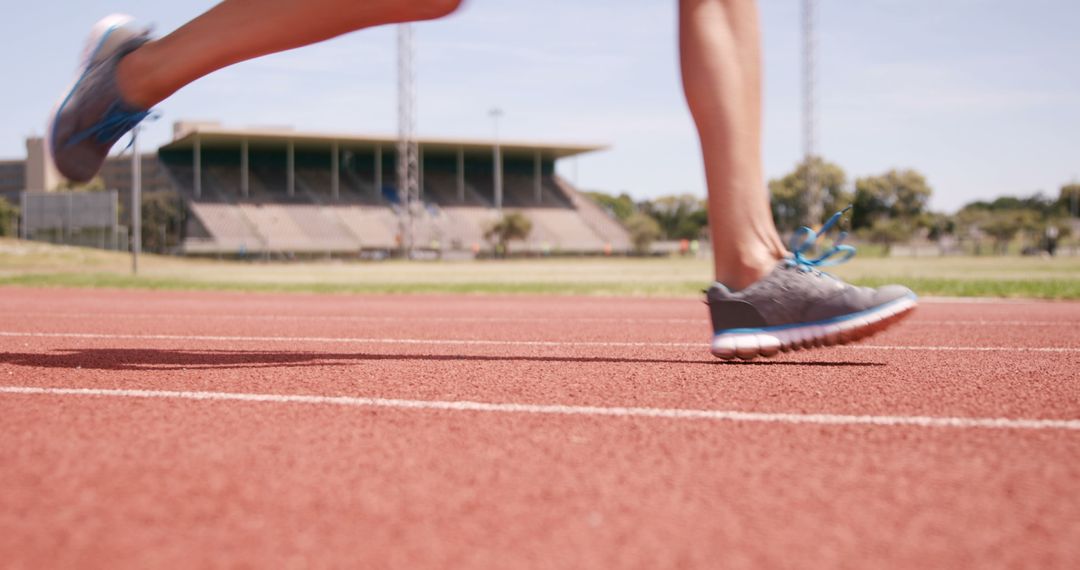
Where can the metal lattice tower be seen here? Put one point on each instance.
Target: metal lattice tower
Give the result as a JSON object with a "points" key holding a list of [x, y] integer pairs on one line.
{"points": [[408, 165], [812, 198]]}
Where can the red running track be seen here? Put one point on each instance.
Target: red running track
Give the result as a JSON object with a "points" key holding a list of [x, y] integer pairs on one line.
{"points": [[148, 429]]}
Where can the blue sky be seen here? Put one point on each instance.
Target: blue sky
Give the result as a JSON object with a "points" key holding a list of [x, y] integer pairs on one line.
{"points": [[982, 96]]}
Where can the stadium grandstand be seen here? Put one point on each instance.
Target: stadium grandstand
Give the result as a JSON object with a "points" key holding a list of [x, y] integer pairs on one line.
{"points": [[279, 191]]}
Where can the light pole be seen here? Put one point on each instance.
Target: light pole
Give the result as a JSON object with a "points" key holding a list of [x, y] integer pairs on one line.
{"points": [[408, 168], [496, 113], [136, 202], [812, 198]]}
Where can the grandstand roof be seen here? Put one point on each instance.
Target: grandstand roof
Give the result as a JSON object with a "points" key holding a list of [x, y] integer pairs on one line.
{"points": [[211, 135]]}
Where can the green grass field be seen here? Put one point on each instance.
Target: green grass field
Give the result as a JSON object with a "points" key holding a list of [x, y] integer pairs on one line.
{"points": [[35, 264]]}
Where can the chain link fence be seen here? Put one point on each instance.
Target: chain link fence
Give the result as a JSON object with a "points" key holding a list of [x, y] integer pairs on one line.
{"points": [[88, 219]]}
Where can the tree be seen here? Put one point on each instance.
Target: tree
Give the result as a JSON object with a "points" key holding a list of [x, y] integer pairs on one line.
{"points": [[888, 231], [680, 217], [9, 215], [1004, 225], [968, 223], [1007, 217], [643, 231], [787, 194], [162, 216], [1068, 201], [1038, 202], [512, 226], [95, 184], [937, 225], [899, 194], [621, 206]]}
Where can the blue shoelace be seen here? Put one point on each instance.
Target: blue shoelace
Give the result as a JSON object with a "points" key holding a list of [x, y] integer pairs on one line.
{"points": [[804, 239], [112, 126]]}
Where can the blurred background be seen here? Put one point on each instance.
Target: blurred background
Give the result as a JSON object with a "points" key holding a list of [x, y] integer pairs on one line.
{"points": [[559, 130]]}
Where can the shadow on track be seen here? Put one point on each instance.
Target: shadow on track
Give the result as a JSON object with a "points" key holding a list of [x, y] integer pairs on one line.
{"points": [[158, 360]]}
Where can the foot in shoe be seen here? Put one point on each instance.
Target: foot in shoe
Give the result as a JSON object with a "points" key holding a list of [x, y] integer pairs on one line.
{"points": [[92, 115], [799, 306]]}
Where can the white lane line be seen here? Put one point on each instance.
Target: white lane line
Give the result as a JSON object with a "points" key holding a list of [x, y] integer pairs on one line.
{"points": [[364, 318], [558, 409], [983, 301], [697, 322], [964, 348], [990, 323], [494, 342], [356, 340]]}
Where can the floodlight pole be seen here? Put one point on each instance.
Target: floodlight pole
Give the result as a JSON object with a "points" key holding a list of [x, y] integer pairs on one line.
{"points": [[136, 202], [812, 198], [408, 168], [496, 160]]}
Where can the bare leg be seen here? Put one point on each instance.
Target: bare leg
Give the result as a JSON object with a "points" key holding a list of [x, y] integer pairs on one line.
{"points": [[720, 49], [237, 30]]}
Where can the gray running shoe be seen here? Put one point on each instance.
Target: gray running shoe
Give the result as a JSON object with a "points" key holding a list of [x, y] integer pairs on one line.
{"points": [[798, 306], [92, 116]]}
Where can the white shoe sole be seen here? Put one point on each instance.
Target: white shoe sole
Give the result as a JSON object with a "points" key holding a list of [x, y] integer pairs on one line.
{"points": [[747, 344]]}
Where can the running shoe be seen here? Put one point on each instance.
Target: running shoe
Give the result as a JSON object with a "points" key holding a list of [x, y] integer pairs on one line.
{"points": [[799, 306], [92, 116]]}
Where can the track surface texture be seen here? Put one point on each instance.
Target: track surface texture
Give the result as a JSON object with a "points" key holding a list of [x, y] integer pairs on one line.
{"points": [[149, 429]]}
